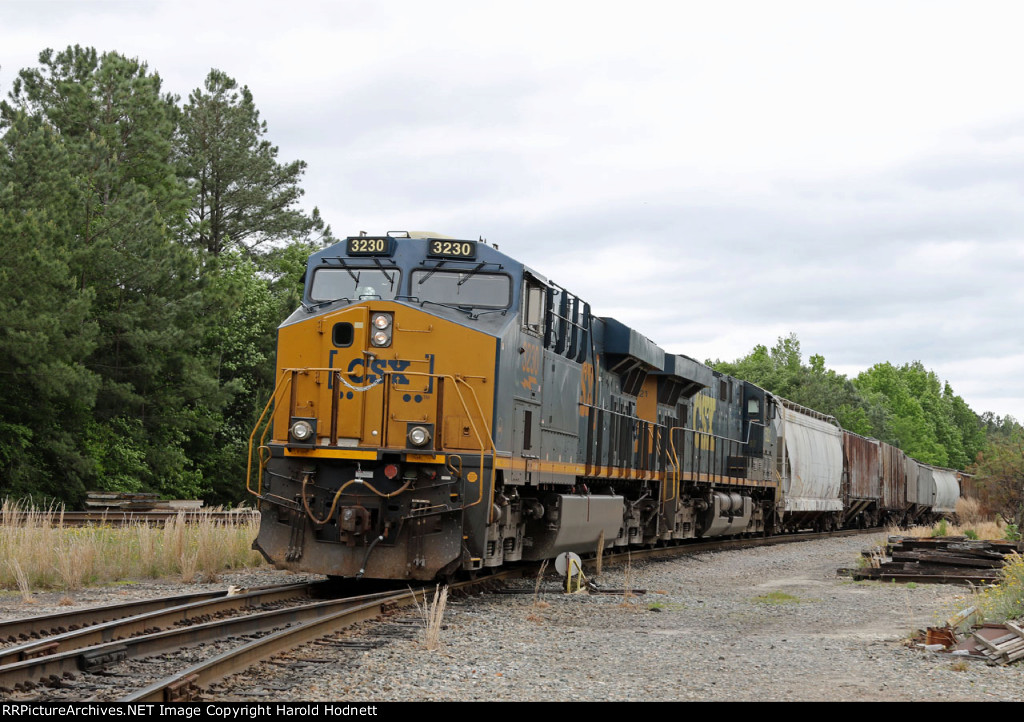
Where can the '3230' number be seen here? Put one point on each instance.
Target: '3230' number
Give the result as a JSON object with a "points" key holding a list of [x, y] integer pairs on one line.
{"points": [[453, 249]]}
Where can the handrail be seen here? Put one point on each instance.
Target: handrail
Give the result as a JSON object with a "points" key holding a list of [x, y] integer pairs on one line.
{"points": [[481, 431], [671, 491], [284, 382]]}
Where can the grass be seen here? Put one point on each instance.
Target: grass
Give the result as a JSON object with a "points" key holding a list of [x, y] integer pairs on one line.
{"points": [[433, 616], [977, 530], [777, 598], [627, 587], [973, 525], [43, 554], [539, 603]]}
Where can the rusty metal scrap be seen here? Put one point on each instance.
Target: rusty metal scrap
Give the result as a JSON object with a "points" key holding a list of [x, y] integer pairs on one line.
{"points": [[998, 644]]}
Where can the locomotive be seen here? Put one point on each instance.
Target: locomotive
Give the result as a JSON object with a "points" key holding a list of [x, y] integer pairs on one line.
{"points": [[442, 408]]}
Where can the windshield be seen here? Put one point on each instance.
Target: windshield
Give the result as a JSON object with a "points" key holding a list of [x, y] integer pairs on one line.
{"points": [[462, 288], [330, 284]]}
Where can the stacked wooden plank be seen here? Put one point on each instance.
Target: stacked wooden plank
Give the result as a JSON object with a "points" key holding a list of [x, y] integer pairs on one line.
{"points": [[1004, 644], [943, 560], [125, 501], [120, 500]]}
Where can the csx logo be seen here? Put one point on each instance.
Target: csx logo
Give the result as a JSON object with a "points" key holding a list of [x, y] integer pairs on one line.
{"points": [[359, 374], [586, 388], [704, 420]]}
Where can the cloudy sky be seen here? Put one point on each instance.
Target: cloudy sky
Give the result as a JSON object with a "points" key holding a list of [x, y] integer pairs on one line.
{"points": [[715, 175]]}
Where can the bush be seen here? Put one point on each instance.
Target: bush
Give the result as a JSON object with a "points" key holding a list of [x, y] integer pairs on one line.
{"points": [[1005, 600]]}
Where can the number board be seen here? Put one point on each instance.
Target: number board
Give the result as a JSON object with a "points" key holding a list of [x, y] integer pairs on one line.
{"points": [[452, 249], [369, 246]]}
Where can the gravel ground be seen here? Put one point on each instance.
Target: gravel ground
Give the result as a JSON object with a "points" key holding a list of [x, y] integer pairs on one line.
{"points": [[700, 632]]}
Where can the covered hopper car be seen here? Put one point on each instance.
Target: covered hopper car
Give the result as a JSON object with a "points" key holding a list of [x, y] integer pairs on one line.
{"points": [[441, 407]]}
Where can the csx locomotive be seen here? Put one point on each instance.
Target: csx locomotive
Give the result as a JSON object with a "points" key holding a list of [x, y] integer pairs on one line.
{"points": [[441, 407]]}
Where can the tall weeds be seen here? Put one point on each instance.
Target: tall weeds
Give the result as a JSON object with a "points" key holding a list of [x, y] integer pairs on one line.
{"points": [[433, 616], [49, 555], [1005, 600]]}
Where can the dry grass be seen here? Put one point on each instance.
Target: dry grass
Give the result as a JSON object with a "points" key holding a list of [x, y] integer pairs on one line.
{"points": [[537, 602], [972, 523], [22, 581], [968, 511], [983, 530], [627, 583], [433, 616], [45, 554]]}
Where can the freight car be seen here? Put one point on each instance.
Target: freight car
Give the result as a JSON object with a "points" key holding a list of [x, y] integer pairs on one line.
{"points": [[442, 408]]}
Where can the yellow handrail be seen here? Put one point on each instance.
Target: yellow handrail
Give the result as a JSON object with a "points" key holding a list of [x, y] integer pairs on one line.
{"points": [[284, 382], [485, 440]]}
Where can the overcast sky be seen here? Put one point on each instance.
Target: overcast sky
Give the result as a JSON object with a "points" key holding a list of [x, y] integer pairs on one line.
{"points": [[714, 174]]}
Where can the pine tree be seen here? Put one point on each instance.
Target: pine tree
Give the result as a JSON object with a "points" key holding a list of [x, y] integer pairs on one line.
{"points": [[243, 198], [149, 299], [46, 392]]}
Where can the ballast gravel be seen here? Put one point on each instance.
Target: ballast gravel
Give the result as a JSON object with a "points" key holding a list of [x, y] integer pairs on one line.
{"points": [[766, 624]]}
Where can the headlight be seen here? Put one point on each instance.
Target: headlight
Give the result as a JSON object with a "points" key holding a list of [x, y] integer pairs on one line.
{"points": [[419, 436], [301, 431], [382, 336]]}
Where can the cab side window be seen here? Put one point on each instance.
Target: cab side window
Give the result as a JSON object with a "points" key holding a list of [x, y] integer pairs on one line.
{"points": [[533, 306]]}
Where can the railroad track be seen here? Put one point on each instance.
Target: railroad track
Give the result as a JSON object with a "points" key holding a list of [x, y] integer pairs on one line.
{"points": [[124, 518], [167, 650], [171, 649], [694, 547]]}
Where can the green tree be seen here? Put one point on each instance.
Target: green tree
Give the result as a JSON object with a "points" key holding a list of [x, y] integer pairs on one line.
{"points": [[243, 198], [782, 371], [1000, 473], [903, 392], [907, 406], [46, 394], [149, 297], [151, 252], [930, 422]]}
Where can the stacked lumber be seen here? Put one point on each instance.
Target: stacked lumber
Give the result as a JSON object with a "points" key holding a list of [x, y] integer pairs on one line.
{"points": [[1004, 645], [943, 560], [125, 501]]}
